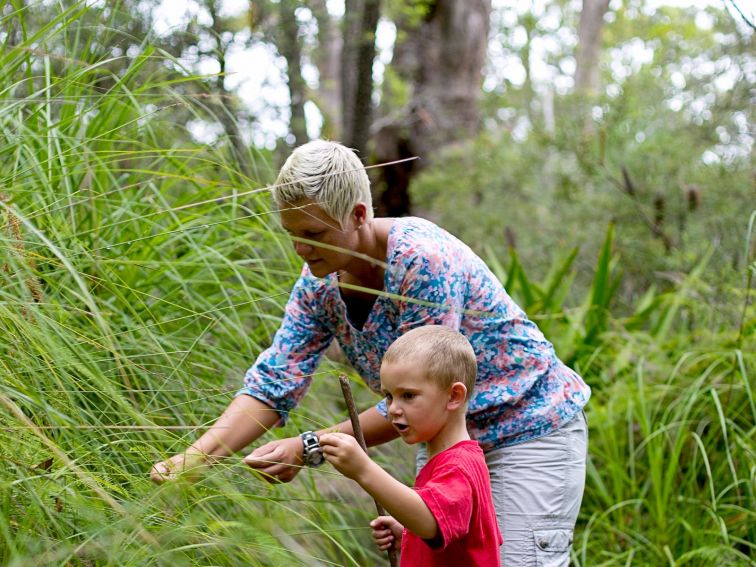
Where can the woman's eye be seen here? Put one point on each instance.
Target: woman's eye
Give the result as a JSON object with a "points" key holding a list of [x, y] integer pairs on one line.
{"points": [[313, 234]]}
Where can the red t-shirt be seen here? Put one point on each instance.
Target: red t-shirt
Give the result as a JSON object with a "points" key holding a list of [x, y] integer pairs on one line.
{"points": [[456, 487]]}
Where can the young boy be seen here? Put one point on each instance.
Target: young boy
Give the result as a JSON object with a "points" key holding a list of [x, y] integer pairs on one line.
{"points": [[427, 376]]}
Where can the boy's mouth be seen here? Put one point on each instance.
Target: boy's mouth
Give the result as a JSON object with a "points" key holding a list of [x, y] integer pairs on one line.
{"points": [[401, 427]]}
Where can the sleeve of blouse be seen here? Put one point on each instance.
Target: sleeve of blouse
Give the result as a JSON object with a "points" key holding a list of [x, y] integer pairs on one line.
{"points": [[282, 374]]}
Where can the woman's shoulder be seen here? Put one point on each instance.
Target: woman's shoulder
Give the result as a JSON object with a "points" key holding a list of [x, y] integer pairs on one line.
{"points": [[415, 240], [414, 234], [416, 225], [420, 252]]}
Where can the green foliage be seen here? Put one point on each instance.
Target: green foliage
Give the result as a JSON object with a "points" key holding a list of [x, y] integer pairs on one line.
{"points": [[395, 93], [411, 13], [672, 418], [575, 331], [568, 200], [666, 158], [140, 272], [670, 473], [132, 293]]}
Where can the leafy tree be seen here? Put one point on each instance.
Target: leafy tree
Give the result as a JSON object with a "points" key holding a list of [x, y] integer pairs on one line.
{"points": [[668, 160]]}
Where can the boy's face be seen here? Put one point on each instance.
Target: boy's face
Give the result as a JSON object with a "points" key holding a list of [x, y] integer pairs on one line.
{"points": [[417, 407]]}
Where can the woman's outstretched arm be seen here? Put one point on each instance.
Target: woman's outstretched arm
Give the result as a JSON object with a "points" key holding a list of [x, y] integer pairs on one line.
{"points": [[244, 420]]}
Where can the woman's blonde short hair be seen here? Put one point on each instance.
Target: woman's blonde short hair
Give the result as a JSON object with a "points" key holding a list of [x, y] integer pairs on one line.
{"points": [[446, 354], [325, 173]]}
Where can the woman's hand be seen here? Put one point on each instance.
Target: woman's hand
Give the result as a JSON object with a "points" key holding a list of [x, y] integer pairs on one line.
{"points": [[188, 465], [387, 532], [278, 461], [345, 454], [244, 420]]}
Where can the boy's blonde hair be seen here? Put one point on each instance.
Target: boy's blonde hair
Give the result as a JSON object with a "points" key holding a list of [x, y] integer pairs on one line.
{"points": [[446, 354], [325, 173]]}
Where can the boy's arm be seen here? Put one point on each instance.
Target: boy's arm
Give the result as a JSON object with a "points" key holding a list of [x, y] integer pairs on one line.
{"points": [[281, 460], [399, 500]]}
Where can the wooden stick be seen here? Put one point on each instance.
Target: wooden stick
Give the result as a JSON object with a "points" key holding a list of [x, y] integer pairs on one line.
{"points": [[355, 419]]}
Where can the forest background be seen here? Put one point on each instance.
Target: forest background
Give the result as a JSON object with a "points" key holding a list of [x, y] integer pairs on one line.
{"points": [[597, 154]]}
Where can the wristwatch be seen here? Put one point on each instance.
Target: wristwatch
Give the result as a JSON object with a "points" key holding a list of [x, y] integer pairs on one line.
{"points": [[313, 454]]}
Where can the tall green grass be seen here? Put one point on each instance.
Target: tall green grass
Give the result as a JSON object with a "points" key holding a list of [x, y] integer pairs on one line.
{"points": [[672, 463], [140, 273]]}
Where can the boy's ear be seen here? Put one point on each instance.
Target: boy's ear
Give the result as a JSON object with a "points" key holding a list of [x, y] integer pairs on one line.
{"points": [[457, 395]]}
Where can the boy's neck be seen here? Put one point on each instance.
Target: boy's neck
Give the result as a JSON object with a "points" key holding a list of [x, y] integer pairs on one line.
{"points": [[454, 431]]}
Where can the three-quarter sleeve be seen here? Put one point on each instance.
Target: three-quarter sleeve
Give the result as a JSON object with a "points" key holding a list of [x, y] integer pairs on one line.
{"points": [[282, 374]]}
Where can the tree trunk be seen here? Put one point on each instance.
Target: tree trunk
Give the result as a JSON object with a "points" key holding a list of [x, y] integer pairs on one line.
{"points": [[360, 24], [226, 111], [529, 24], [363, 96], [327, 57], [350, 33], [589, 47], [442, 61], [290, 47]]}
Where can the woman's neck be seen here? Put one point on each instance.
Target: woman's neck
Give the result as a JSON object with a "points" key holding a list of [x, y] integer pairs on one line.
{"points": [[368, 267]]}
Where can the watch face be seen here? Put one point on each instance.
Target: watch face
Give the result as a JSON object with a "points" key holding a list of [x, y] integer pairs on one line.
{"points": [[313, 455]]}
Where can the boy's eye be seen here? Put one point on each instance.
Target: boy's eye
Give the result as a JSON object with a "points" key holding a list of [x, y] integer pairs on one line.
{"points": [[408, 395]]}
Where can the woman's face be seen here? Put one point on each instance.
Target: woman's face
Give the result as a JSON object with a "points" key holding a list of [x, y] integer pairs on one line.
{"points": [[310, 226]]}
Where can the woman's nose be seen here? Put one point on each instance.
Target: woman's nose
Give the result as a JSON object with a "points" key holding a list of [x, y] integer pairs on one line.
{"points": [[302, 248]]}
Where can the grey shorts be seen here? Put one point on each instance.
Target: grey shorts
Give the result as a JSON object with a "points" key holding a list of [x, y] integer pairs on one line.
{"points": [[537, 487]]}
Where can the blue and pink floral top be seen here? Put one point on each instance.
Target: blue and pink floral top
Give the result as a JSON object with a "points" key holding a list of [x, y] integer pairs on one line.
{"points": [[523, 390]]}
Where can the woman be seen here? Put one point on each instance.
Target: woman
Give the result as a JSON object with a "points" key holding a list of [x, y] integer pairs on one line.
{"points": [[365, 282]]}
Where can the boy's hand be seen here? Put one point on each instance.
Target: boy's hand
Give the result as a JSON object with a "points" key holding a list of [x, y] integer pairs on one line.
{"points": [[344, 453], [387, 532]]}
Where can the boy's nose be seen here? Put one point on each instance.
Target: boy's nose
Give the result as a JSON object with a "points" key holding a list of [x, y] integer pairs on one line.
{"points": [[394, 409]]}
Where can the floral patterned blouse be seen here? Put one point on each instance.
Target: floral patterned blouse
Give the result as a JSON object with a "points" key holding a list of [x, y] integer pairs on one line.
{"points": [[523, 391]]}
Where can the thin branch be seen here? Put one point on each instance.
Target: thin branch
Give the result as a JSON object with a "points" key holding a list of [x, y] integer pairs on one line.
{"points": [[355, 419], [742, 15]]}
